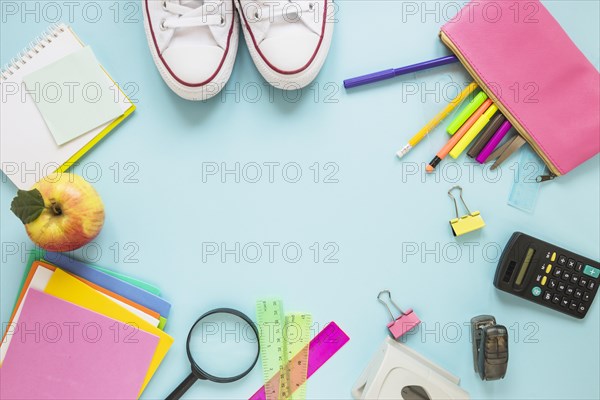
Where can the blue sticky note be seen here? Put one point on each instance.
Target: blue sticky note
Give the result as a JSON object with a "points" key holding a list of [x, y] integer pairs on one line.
{"points": [[74, 95]]}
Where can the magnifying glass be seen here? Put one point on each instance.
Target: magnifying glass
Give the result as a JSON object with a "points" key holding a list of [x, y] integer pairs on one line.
{"points": [[222, 347]]}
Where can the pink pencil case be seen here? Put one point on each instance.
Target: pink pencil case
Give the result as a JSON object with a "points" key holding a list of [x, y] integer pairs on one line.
{"points": [[542, 83]]}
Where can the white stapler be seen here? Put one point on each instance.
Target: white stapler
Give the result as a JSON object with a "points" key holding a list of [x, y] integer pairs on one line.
{"points": [[397, 372]]}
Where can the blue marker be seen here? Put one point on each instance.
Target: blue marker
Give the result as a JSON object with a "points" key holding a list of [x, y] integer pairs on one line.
{"points": [[393, 72]]}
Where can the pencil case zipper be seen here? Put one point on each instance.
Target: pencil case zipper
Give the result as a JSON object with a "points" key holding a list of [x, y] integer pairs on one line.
{"points": [[554, 172]]}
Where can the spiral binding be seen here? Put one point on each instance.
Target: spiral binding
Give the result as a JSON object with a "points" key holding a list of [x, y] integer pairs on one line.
{"points": [[37, 45]]}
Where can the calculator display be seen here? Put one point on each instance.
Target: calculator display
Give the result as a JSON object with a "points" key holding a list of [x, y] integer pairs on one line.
{"points": [[524, 266]]}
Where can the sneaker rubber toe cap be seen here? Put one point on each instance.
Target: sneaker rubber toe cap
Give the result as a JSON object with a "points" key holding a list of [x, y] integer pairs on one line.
{"points": [[289, 53], [193, 65]]}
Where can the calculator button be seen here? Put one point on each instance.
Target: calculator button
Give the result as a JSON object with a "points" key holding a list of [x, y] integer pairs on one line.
{"points": [[561, 286], [579, 267], [548, 268], [547, 296], [578, 294], [542, 267], [571, 263], [573, 305], [591, 285], [581, 309], [536, 291], [591, 271], [586, 297], [553, 257], [566, 275], [555, 299], [574, 278], [557, 272], [562, 260], [552, 283], [544, 279], [570, 290], [583, 281], [564, 302]]}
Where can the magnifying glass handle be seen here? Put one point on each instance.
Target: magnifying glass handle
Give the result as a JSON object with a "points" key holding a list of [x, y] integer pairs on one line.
{"points": [[183, 387]]}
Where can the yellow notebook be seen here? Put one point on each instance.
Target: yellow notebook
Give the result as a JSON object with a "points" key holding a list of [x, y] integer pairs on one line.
{"points": [[28, 151], [71, 289]]}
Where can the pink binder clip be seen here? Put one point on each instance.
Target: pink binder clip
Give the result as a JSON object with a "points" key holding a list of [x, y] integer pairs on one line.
{"points": [[405, 321]]}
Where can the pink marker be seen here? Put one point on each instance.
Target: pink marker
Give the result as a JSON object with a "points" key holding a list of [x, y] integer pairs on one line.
{"points": [[493, 143]]}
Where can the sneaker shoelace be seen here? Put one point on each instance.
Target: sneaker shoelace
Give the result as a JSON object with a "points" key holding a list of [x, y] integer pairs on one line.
{"points": [[287, 9], [206, 14]]}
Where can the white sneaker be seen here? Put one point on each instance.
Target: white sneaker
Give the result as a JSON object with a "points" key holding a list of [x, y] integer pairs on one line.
{"points": [[288, 39], [193, 44]]}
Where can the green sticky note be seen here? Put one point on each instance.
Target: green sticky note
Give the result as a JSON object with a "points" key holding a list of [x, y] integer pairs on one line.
{"points": [[74, 95]]}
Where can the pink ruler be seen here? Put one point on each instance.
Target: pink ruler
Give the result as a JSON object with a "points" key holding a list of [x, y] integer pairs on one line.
{"points": [[320, 350]]}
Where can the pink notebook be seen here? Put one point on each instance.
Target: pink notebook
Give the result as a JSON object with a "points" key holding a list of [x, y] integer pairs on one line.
{"points": [[62, 351], [522, 58]]}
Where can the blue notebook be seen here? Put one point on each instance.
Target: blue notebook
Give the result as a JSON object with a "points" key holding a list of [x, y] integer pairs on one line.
{"points": [[109, 282]]}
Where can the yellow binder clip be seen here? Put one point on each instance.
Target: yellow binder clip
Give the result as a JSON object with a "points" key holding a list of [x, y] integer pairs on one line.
{"points": [[467, 223]]}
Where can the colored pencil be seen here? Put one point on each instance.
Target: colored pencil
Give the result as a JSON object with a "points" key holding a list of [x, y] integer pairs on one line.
{"points": [[436, 120]]}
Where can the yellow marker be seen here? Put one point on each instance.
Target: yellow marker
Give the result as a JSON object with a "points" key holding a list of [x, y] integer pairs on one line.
{"points": [[549, 268], [553, 257], [544, 279], [473, 131], [437, 119]]}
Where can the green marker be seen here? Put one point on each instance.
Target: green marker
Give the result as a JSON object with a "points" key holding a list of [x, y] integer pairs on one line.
{"points": [[466, 112]]}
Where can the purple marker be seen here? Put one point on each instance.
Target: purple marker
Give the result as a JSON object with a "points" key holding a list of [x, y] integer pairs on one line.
{"points": [[493, 143], [393, 72]]}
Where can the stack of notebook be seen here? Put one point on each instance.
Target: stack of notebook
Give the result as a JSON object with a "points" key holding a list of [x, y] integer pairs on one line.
{"points": [[81, 332]]}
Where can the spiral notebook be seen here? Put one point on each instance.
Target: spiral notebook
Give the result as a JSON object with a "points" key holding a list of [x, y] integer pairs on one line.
{"points": [[28, 149]]}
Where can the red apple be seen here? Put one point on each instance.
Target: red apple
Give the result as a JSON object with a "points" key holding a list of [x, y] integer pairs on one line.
{"points": [[61, 213]]}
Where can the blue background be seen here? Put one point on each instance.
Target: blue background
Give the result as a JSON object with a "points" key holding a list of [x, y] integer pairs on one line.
{"points": [[386, 223]]}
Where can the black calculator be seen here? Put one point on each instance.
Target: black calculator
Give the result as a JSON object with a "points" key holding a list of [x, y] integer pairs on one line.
{"points": [[548, 275]]}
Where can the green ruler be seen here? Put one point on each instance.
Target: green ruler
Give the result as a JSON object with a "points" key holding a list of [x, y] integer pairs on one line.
{"points": [[270, 325], [283, 338], [296, 339]]}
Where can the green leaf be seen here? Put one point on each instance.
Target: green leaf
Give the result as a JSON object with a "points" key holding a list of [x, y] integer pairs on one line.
{"points": [[27, 205]]}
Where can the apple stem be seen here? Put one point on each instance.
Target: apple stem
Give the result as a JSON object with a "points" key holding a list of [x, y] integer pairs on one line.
{"points": [[55, 207]]}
